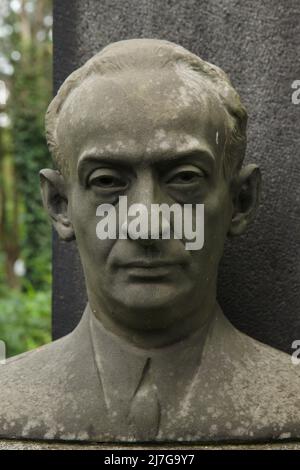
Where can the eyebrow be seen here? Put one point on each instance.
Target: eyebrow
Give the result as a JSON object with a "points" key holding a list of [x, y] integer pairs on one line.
{"points": [[161, 158]]}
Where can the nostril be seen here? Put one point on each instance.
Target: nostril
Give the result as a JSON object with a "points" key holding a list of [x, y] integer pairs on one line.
{"points": [[141, 224], [149, 233], [146, 241], [124, 229]]}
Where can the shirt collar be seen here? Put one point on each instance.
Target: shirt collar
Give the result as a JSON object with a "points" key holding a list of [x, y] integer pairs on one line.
{"points": [[120, 365]]}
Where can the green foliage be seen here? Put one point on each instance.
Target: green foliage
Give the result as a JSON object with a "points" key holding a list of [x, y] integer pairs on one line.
{"points": [[25, 232], [31, 95], [25, 320]]}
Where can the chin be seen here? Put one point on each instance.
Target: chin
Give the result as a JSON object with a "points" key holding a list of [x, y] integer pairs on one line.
{"points": [[148, 297]]}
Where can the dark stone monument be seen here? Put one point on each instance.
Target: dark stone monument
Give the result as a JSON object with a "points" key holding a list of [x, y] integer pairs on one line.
{"points": [[256, 44]]}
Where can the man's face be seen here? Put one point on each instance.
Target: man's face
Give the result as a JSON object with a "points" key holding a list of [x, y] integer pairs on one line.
{"points": [[155, 138]]}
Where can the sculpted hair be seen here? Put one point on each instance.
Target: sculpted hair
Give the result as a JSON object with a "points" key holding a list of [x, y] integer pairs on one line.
{"points": [[152, 54]]}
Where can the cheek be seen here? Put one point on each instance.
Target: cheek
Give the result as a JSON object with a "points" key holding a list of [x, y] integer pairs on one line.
{"points": [[217, 215], [93, 251]]}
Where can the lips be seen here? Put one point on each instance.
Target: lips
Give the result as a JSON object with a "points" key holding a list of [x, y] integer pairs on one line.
{"points": [[149, 269], [148, 264]]}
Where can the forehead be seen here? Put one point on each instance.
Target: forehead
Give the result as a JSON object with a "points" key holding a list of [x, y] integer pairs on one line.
{"points": [[145, 114]]}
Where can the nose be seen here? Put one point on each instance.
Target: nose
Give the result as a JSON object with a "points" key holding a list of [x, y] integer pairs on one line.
{"points": [[139, 224]]}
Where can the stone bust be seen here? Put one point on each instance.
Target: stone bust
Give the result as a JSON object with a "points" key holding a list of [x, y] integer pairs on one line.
{"points": [[153, 358]]}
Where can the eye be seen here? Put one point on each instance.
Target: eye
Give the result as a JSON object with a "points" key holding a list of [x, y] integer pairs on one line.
{"points": [[107, 179], [185, 175]]}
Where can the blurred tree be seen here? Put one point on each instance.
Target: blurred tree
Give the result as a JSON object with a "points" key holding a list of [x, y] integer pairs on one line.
{"points": [[27, 49], [9, 212], [25, 233]]}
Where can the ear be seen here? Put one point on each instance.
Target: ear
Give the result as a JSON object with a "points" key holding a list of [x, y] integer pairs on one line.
{"points": [[246, 199], [53, 189]]}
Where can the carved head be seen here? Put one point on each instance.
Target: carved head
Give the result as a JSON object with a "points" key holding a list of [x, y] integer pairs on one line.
{"points": [[151, 121]]}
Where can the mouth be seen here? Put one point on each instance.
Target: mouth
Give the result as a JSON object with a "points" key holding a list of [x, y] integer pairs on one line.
{"points": [[149, 269], [144, 263]]}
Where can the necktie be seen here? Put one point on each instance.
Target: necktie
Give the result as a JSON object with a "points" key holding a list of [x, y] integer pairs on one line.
{"points": [[144, 415]]}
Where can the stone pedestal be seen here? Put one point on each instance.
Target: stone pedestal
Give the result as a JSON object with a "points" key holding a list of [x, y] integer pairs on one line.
{"points": [[6, 444]]}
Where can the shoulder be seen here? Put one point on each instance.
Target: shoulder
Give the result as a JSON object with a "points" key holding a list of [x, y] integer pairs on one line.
{"points": [[250, 357], [257, 385], [272, 394], [42, 389]]}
